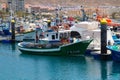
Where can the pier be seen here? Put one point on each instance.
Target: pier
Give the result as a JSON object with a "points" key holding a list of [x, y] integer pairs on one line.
{"points": [[103, 54]]}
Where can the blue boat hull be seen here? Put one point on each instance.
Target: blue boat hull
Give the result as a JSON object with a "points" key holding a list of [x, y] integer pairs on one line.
{"points": [[115, 55], [115, 52]]}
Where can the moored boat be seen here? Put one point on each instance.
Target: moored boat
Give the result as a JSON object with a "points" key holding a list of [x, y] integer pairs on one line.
{"points": [[115, 51], [92, 29], [26, 36], [67, 49], [56, 43]]}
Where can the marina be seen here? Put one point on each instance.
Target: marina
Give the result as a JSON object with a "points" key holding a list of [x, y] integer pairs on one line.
{"points": [[17, 66], [59, 42]]}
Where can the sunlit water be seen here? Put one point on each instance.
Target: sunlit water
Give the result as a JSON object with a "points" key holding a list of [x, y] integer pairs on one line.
{"points": [[17, 66]]}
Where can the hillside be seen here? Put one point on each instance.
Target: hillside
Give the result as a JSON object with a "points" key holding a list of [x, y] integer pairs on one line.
{"points": [[73, 2]]}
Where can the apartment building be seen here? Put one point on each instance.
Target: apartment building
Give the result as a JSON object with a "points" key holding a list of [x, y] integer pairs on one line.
{"points": [[16, 5]]}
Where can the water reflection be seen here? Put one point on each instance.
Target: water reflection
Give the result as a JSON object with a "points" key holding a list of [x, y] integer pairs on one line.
{"points": [[116, 67], [10, 48], [104, 70], [13, 46], [56, 68], [17, 66], [115, 73], [110, 70]]}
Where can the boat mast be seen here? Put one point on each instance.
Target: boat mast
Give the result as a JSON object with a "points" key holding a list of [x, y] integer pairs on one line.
{"points": [[10, 9], [57, 15], [84, 17]]}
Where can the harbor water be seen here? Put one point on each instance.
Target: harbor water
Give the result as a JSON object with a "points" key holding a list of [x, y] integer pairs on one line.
{"points": [[17, 66]]}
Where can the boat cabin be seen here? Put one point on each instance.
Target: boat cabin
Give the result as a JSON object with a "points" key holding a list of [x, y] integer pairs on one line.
{"points": [[59, 36], [56, 36]]}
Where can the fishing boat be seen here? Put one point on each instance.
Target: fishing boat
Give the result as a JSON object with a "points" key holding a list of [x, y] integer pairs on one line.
{"points": [[56, 43], [92, 29], [25, 33], [115, 51], [25, 36]]}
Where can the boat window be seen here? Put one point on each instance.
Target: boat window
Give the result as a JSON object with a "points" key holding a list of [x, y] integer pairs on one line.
{"points": [[75, 34], [69, 34], [65, 35], [56, 35], [61, 35], [47, 35], [53, 36]]}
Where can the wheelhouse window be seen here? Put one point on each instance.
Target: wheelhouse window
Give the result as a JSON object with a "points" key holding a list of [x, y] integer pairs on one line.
{"points": [[47, 35], [65, 35], [56, 35], [61, 35], [53, 36]]}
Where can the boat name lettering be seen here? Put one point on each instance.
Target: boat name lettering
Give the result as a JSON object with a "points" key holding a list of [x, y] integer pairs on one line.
{"points": [[72, 52]]}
